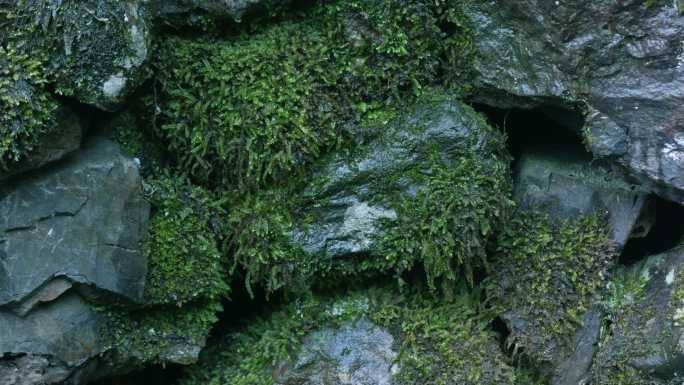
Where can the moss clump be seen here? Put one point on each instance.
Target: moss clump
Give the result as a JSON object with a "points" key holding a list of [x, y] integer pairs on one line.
{"points": [[181, 247], [548, 273], [437, 342], [27, 109], [446, 226], [245, 111]]}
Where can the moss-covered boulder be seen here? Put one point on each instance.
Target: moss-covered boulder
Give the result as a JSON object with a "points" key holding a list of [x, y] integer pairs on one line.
{"points": [[428, 187], [375, 336], [254, 109], [643, 342], [94, 50], [547, 281]]}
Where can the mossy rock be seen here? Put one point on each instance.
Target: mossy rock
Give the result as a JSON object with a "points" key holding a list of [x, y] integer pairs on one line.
{"points": [[428, 187], [253, 109], [374, 336], [641, 343], [547, 280]]}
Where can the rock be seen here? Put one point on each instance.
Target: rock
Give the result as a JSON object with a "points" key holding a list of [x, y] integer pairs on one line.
{"points": [[370, 337], [355, 353], [95, 50], [81, 220], [192, 12], [57, 143], [381, 192], [645, 337], [566, 185], [623, 61]]}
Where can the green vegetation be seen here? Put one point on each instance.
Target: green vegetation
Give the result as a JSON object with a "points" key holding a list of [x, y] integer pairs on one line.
{"points": [[548, 273], [27, 109], [244, 112], [438, 342], [184, 261]]}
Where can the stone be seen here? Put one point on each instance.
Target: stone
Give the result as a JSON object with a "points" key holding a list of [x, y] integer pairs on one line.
{"points": [[568, 185], [354, 209], [79, 221], [356, 353], [643, 340], [96, 50], [623, 61], [192, 12], [57, 143]]}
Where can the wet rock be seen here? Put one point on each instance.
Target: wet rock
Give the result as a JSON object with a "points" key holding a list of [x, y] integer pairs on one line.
{"points": [[356, 353], [57, 143], [81, 220], [644, 339], [623, 60], [192, 12], [568, 185]]}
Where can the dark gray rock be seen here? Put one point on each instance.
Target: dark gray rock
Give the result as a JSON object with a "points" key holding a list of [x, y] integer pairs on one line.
{"points": [[192, 12], [567, 185], [356, 353], [81, 220], [623, 60], [350, 191], [57, 143], [645, 339]]}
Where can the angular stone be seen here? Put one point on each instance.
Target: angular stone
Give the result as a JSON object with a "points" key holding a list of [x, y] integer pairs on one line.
{"points": [[81, 220], [567, 185]]}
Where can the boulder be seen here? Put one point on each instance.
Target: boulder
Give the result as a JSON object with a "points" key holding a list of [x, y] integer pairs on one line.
{"points": [[623, 61], [644, 340], [567, 185], [192, 12], [81, 220]]}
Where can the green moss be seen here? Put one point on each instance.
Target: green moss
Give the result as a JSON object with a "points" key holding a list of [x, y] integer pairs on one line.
{"points": [[181, 247], [438, 342], [243, 112], [158, 334], [27, 109], [548, 273], [446, 226]]}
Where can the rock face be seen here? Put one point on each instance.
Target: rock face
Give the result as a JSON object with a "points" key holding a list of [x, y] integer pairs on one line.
{"points": [[191, 12], [568, 186], [356, 353], [76, 225], [623, 60], [645, 340]]}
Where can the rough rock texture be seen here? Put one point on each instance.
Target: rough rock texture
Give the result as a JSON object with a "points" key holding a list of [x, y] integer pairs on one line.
{"points": [[645, 340], [95, 50], [566, 186], [81, 220], [351, 204], [191, 12], [624, 60], [58, 142], [356, 353]]}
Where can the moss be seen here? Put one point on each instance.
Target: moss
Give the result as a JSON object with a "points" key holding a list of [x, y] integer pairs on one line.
{"points": [[438, 342], [181, 247], [27, 109], [548, 273], [243, 112], [158, 334]]}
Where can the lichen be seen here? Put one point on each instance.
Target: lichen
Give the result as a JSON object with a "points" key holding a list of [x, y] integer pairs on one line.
{"points": [[548, 273], [245, 111]]}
